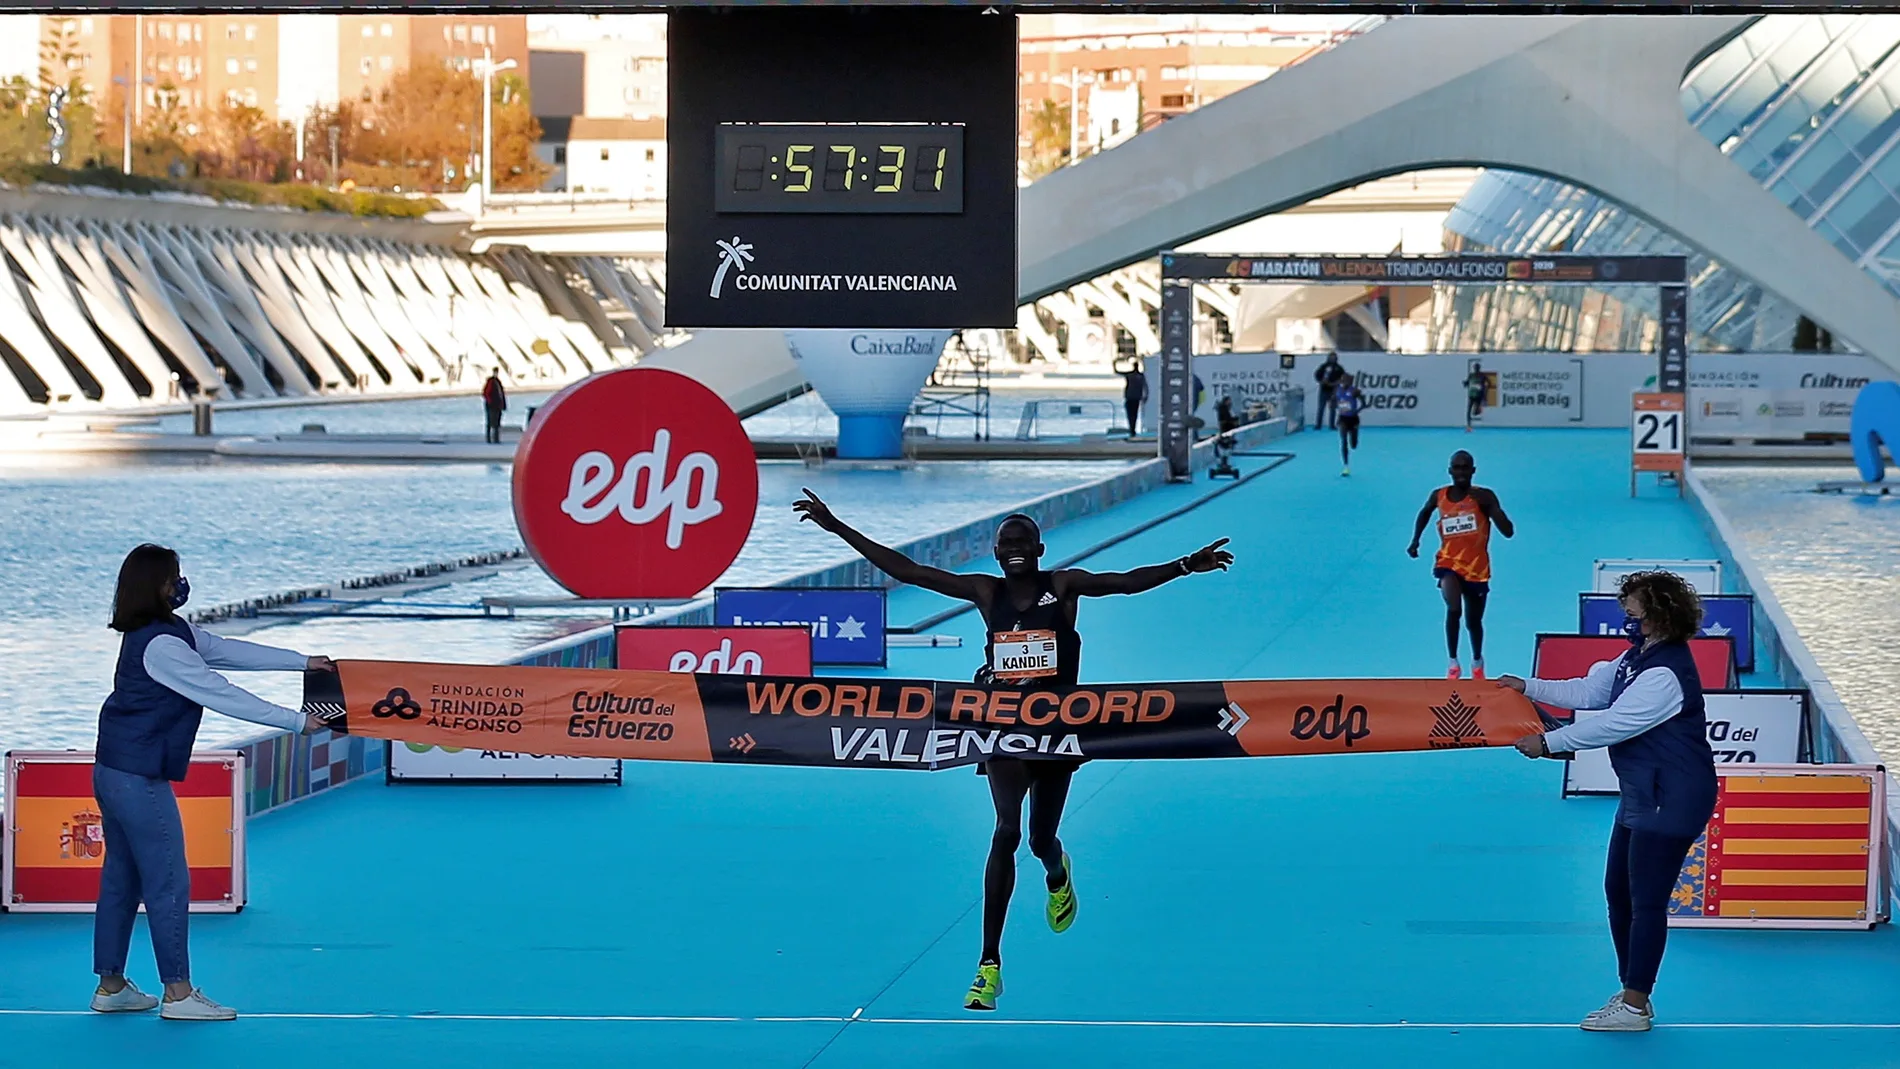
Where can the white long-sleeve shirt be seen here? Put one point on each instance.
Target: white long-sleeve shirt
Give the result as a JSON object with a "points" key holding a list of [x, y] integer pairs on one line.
{"points": [[173, 663], [1651, 698]]}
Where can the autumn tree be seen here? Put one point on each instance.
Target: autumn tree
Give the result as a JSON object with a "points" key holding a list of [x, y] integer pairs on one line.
{"points": [[239, 141], [1047, 129], [424, 132]]}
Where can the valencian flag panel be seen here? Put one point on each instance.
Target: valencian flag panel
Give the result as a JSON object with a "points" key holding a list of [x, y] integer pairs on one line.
{"points": [[1790, 843], [899, 723]]}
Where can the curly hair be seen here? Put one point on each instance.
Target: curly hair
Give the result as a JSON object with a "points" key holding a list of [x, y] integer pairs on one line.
{"points": [[1669, 602]]}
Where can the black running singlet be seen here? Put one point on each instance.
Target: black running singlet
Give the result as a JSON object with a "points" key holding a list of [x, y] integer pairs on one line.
{"points": [[1036, 646], [1033, 646]]}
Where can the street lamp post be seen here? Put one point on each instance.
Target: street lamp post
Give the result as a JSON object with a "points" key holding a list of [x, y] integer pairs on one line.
{"points": [[489, 67], [131, 94]]}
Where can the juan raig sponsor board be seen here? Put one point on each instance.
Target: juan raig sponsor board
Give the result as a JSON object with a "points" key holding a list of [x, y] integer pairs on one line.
{"points": [[1401, 390], [904, 723], [1788, 394]]}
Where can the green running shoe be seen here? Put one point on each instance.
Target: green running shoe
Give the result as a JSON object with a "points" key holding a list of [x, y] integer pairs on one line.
{"points": [[988, 985], [1062, 902]]}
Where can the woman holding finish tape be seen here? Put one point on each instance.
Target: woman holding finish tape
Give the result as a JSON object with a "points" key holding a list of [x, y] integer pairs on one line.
{"points": [[160, 689], [1653, 724]]}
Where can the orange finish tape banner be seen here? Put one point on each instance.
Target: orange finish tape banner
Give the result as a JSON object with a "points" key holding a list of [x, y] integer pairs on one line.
{"points": [[900, 723]]}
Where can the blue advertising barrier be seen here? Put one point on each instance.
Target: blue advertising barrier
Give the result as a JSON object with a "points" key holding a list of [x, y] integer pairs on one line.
{"points": [[1722, 614], [847, 623], [1876, 423]]}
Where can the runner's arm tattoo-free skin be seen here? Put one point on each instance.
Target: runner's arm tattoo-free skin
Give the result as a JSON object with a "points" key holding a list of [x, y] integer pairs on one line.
{"points": [[1078, 583], [1424, 519], [1495, 510]]}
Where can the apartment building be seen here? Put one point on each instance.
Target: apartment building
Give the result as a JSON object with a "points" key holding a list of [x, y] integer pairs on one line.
{"points": [[281, 65], [1119, 74]]}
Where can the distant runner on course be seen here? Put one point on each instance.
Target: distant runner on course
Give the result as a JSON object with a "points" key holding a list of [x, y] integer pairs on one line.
{"points": [[1466, 514]]}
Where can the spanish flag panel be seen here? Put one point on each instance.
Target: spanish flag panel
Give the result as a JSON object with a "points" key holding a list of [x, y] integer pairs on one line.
{"points": [[59, 846]]}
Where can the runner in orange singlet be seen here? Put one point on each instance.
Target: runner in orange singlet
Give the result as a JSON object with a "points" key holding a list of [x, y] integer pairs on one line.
{"points": [[1466, 514]]}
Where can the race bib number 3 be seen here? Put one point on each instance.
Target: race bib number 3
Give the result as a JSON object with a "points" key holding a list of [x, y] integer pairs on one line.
{"points": [[1021, 655], [1460, 524]]}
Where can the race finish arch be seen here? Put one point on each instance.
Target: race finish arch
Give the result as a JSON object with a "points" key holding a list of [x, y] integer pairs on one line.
{"points": [[1181, 270]]}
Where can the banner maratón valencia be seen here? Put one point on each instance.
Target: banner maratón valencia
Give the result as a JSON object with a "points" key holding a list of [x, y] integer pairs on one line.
{"points": [[900, 723]]}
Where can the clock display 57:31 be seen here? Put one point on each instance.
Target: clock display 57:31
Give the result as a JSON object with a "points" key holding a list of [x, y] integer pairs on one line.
{"points": [[885, 168]]}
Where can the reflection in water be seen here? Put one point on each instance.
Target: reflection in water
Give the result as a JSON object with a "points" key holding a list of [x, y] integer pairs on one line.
{"points": [[1834, 563], [248, 529]]}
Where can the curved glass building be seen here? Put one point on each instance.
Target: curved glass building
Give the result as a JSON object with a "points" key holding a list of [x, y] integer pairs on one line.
{"points": [[1808, 104]]}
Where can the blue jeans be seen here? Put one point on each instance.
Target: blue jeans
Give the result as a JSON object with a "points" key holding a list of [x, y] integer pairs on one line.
{"points": [[145, 861]]}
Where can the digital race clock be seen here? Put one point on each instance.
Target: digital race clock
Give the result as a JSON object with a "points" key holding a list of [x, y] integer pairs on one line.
{"points": [[843, 168], [839, 167]]}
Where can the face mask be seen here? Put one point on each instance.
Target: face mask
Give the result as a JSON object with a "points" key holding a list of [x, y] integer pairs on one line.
{"points": [[1633, 629], [181, 593]]}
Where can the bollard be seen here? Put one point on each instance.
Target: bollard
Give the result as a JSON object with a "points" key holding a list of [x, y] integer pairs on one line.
{"points": [[201, 418]]}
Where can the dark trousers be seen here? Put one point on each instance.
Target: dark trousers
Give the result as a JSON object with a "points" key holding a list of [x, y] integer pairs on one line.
{"points": [[1327, 403], [494, 424], [1133, 405], [145, 862], [1637, 882]]}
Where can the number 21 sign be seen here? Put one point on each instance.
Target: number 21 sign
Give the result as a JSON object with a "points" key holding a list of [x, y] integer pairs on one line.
{"points": [[1658, 432]]}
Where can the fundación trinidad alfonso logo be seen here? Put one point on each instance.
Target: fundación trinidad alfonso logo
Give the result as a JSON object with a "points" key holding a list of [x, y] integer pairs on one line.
{"points": [[732, 254], [638, 483], [396, 703]]}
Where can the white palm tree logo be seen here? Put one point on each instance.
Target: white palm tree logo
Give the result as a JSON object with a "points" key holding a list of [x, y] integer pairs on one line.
{"points": [[731, 254]]}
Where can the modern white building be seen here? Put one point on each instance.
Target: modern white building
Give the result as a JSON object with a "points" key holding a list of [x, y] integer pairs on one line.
{"points": [[624, 158]]}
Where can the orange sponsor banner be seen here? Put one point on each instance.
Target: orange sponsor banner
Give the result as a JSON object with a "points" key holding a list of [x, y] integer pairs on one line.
{"points": [[577, 712], [898, 723]]}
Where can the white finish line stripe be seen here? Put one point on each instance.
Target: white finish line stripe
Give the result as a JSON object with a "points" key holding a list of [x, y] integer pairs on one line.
{"points": [[1341, 1026]]}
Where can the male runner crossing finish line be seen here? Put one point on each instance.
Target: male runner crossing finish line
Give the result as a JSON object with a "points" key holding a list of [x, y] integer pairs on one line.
{"points": [[1466, 514], [1029, 617]]}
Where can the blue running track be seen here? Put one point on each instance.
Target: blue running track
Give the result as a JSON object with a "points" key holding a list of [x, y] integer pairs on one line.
{"points": [[1421, 910]]}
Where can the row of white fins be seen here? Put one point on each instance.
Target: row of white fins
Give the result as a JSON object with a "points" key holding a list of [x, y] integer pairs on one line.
{"points": [[103, 313], [1127, 298]]}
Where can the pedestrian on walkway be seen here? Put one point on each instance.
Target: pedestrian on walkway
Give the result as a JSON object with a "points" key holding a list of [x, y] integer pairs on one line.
{"points": [[1134, 394], [495, 402], [1329, 375]]}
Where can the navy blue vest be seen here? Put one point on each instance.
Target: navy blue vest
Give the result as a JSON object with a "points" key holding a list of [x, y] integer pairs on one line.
{"points": [[1666, 774], [145, 727]]}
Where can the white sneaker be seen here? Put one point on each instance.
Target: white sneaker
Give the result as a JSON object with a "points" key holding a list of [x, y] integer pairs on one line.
{"points": [[196, 1007], [1607, 1008], [1619, 1016], [128, 999]]}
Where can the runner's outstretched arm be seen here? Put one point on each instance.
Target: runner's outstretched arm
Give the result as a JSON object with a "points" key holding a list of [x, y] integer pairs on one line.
{"points": [[1424, 518], [1097, 584], [1495, 510], [972, 588]]}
